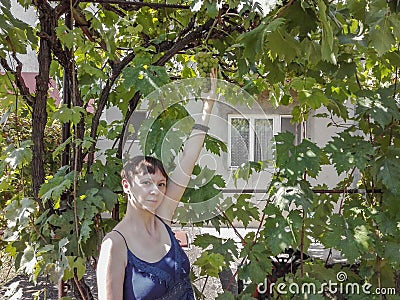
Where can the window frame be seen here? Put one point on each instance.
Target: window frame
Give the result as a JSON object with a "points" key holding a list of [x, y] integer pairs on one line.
{"points": [[276, 126]]}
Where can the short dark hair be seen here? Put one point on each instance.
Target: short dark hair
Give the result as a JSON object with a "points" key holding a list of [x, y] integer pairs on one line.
{"points": [[142, 164]]}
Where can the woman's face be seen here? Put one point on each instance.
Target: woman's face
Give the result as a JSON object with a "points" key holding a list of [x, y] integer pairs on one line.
{"points": [[149, 189]]}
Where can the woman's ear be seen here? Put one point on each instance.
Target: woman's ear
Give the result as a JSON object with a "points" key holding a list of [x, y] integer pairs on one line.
{"points": [[125, 185]]}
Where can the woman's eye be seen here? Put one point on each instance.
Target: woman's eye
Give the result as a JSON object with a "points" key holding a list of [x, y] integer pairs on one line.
{"points": [[146, 182], [162, 184]]}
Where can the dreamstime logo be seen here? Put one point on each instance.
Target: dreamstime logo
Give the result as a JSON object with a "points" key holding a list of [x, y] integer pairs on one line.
{"points": [[341, 276], [172, 111], [330, 287]]}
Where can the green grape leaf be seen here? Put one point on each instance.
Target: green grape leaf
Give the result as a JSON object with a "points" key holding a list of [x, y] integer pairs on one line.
{"points": [[316, 269], [395, 22], [379, 104], [164, 135], [85, 230], [300, 195], [278, 237], [348, 235], [303, 83], [254, 40], [75, 263], [347, 151], [327, 41], [98, 170], [92, 71], [212, 9], [65, 35], [204, 186], [386, 223], [58, 184], [145, 79], [337, 106], [108, 174], [313, 98], [386, 169], [295, 15], [210, 263], [89, 204], [109, 197], [203, 196], [15, 36], [392, 253], [65, 114], [18, 157], [276, 73], [259, 264], [246, 170], [62, 147], [225, 247], [214, 145], [293, 161], [243, 210], [20, 211], [90, 247], [393, 57], [381, 39], [283, 45], [357, 8], [113, 174], [6, 7], [253, 271], [28, 259]]}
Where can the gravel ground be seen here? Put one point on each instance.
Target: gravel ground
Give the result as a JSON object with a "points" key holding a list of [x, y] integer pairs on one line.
{"points": [[21, 288]]}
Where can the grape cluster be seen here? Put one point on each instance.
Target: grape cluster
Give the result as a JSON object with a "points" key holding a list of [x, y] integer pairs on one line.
{"points": [[205, 62]]}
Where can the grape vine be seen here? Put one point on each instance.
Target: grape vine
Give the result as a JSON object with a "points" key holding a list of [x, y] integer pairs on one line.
{"points": [[205, 62], [334, 60]]}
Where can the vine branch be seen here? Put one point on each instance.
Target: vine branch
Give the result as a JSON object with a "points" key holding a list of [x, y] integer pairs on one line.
{"points": [[20, 82], [117, 70]]}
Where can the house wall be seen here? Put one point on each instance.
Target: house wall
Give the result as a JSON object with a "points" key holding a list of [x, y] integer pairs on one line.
{"points": [[317, 130], [29, 60]]}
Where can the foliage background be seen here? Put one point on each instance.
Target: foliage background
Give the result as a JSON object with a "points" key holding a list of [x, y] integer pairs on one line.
{"points": [[305, 53]]}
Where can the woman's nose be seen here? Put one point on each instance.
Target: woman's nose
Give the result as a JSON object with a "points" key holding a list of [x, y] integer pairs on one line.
{"points": [[154, 189]]}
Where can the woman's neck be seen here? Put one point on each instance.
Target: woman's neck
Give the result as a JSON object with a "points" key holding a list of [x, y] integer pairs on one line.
{"points": [[141, 219]]}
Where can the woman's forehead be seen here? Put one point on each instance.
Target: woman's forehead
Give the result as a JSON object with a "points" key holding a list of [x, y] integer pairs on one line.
{"points": [[157, 175]]}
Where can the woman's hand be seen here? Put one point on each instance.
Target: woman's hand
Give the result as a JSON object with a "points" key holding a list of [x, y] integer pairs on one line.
{"points": [[210, 96]]}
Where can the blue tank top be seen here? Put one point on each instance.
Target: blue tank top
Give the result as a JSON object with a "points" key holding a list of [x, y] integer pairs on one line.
{"points": [[166, 279]]}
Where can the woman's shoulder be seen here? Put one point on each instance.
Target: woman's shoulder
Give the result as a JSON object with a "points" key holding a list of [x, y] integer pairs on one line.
{"points": [[113, 254], [114, 242]]}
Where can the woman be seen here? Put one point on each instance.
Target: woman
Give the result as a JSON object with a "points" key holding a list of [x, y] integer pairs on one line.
{"points": [[140, 258]]}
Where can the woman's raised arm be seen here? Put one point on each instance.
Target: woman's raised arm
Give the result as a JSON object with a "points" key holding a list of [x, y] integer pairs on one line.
{"points": [[180, 177]]}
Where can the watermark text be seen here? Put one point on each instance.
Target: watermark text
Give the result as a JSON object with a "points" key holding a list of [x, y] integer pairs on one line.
{"points": [[332, 287]]}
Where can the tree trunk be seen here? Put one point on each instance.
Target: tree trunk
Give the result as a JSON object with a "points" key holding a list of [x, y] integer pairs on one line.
{"points": [[39, 113]]}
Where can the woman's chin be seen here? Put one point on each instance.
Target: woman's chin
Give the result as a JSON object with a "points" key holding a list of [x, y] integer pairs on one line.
{"points": [[151, 207]]}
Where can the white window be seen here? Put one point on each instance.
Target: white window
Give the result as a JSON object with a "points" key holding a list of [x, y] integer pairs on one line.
{"points": [[251, 136]]}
